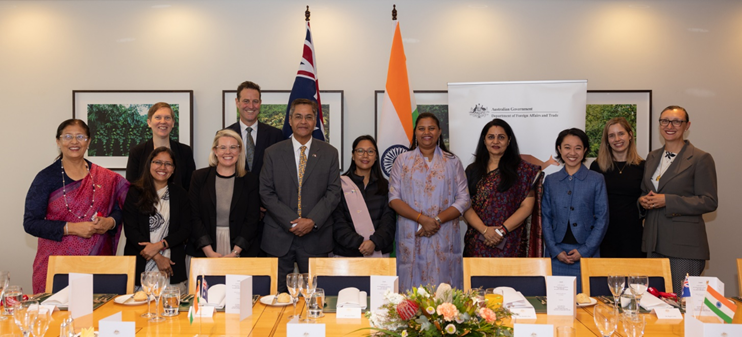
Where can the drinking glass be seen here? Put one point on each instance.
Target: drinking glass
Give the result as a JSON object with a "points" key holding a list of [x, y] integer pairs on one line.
{"points": [[159, 283], [170, 301], [12, 295], [307, 286], [317, 304], [4, 280], [616, 283], [638, 285], [293, 284], [606, 319], [25, 315], [44, 316], [633, 325], [147, 280], [494, 300]]}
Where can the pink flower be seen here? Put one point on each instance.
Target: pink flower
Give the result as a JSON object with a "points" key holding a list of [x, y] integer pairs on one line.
{"points": [[407, 309], [448, 311], [487, 314]]}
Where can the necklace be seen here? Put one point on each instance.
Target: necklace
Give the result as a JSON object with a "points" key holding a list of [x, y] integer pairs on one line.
{"points": [[64, 193], [620, 171]]}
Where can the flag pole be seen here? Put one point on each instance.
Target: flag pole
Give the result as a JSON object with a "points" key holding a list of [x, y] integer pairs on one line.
{"points": [[394, 12], [306, 14]]}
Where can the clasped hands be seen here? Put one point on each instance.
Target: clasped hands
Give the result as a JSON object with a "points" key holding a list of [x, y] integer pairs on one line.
{"points": [[652, 200], [569, 258], [152, 250], [86, 229], [302, 226], [491, 238], [429, 225]]}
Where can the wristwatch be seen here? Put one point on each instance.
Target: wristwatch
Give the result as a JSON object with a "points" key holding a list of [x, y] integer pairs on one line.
{"points": [[438, 219]]}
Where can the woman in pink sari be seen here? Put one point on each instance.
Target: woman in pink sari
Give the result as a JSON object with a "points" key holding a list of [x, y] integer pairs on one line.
{"points": [[73, 206]]}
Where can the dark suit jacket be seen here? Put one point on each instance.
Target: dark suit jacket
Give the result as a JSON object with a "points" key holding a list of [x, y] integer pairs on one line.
{"points": [[267, 136], [320, 195], [136, 228], [243, 215], [183, 161], [689, 186]]}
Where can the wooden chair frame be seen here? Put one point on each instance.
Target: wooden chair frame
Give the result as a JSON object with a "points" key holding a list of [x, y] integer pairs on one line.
{"points": [[352, 266], [65, 264], [505, 266], [234, 266], [739, 276], [653, 267]]}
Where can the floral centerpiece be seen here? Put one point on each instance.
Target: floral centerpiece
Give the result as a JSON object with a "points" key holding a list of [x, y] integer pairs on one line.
{"points": [[442, 311]]}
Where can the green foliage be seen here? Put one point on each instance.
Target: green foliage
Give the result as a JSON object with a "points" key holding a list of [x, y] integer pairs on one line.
{"points": [[116, 128], [598, 114]]}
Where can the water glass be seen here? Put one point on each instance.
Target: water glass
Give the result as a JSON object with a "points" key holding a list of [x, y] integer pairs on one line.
{"points": [[616, 283], [638, 285], [42, 322], [292, 283], [25, 315], [12, 295], [317, 304], [159, 283], [148, 279], [4, 280], [633, 325], [606, 319], [629, 303], [170, 301], [307, 285]]}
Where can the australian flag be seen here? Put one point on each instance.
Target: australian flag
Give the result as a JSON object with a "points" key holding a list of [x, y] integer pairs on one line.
{"points": [[686, 288], [306, 85]]}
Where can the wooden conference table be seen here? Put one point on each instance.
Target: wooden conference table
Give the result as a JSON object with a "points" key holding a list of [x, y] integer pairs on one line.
{"points": [[271, 321]]}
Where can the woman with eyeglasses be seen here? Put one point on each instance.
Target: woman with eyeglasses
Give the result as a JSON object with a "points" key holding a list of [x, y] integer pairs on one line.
{"points": [[225, 203], [73, 206], [161, 119], [364, 223], [678, 187], [157, 219]]}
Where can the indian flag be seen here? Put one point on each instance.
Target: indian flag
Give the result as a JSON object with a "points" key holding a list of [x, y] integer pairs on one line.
{"points": [[398, 110], [193, 310], [721, 306]]}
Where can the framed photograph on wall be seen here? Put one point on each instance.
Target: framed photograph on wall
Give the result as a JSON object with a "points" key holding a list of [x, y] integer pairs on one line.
{"points": [[273, 112], [118, 120], [634, 105], [433, 101]]}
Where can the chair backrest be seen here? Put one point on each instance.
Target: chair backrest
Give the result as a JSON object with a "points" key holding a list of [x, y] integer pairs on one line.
{"points": [[256, 266], [739, 276], [354, 271], [117, 265], [602, 267], [519, 270]]}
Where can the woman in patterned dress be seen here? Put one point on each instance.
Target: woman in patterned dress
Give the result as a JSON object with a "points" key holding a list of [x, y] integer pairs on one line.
{"points": [[427, 188], [157, 219], [502, 195]]}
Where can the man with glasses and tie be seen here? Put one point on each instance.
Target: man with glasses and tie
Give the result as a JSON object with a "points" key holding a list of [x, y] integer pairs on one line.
{"points": [[300, 188], [257, 136]]}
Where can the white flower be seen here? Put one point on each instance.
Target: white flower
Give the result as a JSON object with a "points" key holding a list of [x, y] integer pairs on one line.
{"points": [[393, 297], [444, 293], [450, 329], [422, 292], [404, 333]]}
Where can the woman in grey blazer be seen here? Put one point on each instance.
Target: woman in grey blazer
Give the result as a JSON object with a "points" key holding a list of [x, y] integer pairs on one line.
{"points": [[678, 187]]}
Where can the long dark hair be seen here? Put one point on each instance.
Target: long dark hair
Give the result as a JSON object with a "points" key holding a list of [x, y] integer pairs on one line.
{"points": [[72, 121], [424, 115], [148, 193], [382, 185], [509, 162]]}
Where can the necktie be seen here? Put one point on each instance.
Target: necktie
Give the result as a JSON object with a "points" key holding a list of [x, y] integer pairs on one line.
{"points": [[249, 148], [302, 167]]}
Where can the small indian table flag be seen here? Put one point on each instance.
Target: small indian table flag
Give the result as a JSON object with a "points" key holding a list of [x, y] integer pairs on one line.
{"points": [[193, 310], [719, 305]]}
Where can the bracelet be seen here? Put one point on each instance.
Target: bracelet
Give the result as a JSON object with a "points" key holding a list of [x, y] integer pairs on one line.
{"points": [[164, 244], [66, 229], [234, 251], [485, 230], [505, 229], [418, 217], [438, 219]]}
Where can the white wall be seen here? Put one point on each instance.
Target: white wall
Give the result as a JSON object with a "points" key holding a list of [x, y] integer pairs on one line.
{"points": [[687, 52]]}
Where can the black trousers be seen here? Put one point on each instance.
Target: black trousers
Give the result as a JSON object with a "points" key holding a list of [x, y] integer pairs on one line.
{"points": [[298, 255]]}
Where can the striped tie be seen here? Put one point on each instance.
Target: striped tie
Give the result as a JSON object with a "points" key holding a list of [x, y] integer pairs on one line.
{"points": [[302, 167]]}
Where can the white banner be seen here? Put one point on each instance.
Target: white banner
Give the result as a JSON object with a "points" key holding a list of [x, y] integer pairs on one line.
{"points": [[536, 110]]}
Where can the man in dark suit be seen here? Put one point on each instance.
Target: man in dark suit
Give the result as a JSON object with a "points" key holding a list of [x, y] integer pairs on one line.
{"points": [[249, 128], [300, 188]]}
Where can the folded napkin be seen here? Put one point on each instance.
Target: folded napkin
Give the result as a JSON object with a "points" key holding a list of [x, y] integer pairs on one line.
{"points": [[512, 298], [351, 298], [60, 299], [650, 302], [217, 296]]}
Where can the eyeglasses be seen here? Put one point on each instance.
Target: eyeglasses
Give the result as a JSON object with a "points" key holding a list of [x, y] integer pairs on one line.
{"points": [[158, 163], [361, 152], [68, 137], [676, 123], [225, 148]]}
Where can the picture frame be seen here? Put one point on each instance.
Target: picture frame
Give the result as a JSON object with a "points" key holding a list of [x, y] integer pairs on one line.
{"points": [[434, 101], [118, 120], [605, 104], [273, 112]]}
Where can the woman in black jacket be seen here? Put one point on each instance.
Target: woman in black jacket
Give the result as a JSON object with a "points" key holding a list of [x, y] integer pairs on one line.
{"points": [[353, 234], [157, 219]]}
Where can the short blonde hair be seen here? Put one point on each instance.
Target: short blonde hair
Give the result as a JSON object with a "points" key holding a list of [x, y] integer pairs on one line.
{"points": [[240, 158]]}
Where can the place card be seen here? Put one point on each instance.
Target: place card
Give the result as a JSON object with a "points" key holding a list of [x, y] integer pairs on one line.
{"points": [[348, 313], [81, 294], [668, 313], [203, 311], [698, 293], [560, 290], [533, 330], [523, 313], [239, 295], [294, 329], [379, 286], [694, 327], [113, 326]]}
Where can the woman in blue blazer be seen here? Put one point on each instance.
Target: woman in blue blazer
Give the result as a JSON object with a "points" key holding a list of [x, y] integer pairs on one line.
{"points": [[574, 207]]}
